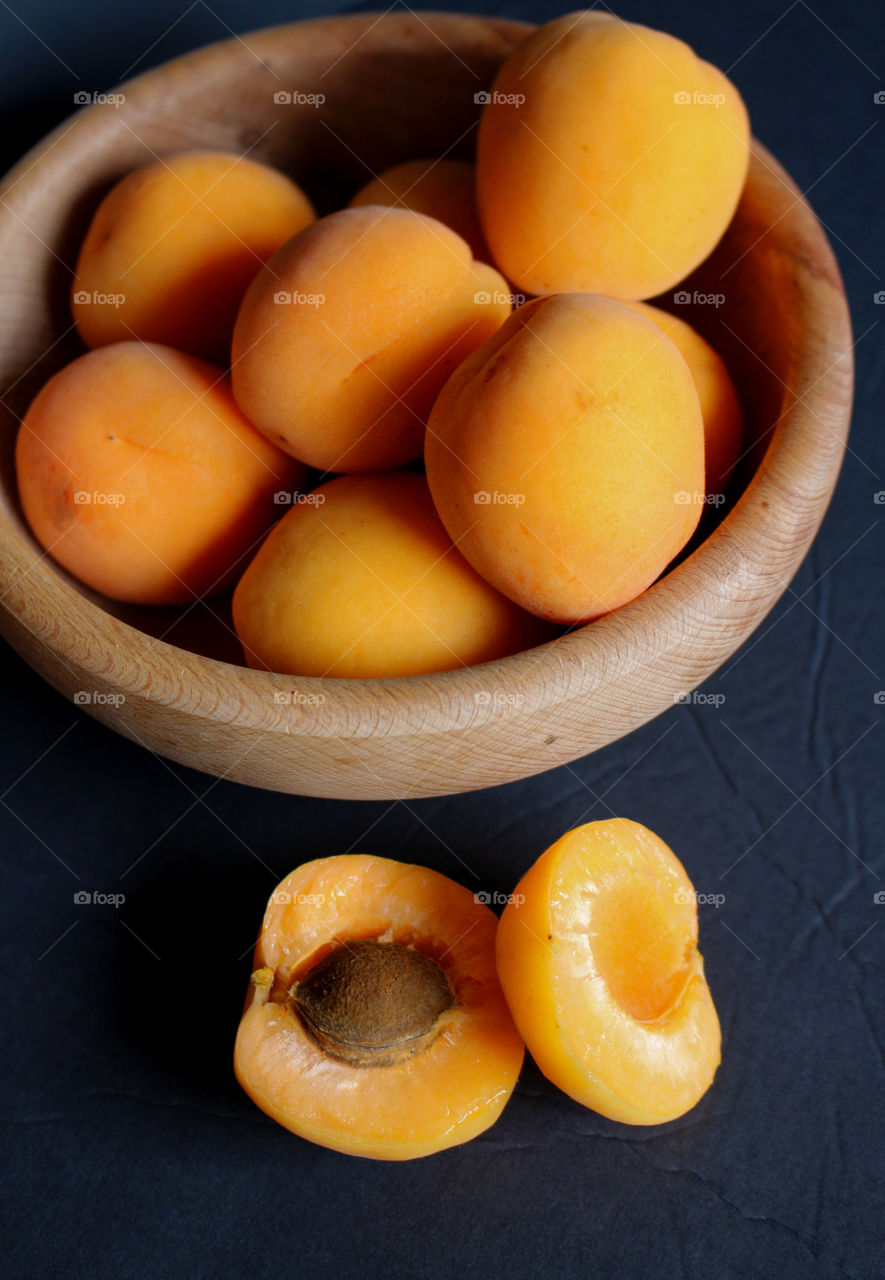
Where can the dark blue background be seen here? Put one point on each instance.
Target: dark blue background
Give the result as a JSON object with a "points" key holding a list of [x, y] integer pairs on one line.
{"points": [[132, 1152]]}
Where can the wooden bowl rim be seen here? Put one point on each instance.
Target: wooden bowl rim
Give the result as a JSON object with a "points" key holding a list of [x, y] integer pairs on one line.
{"points": [[555, 672]]}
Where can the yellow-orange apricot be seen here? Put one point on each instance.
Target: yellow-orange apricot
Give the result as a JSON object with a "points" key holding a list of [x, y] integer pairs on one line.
{"points": [[138, 473], [361, 579], [443, 189], [566, 456], [597, 955], [173, 246], [345, 338], [720, 407], [375, 1023], [610, 159]]}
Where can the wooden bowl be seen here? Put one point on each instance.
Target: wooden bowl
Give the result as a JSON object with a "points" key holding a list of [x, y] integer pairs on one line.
{"points": [[395, 88]]}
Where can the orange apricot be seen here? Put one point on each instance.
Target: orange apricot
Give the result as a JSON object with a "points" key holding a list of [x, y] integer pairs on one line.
{"points": [[720, 406], [597, 955], [361, 579], [173, 246], [566, 456], [610, 159], [345, 338], [138, 473], [443, 189], [375, 1023]]}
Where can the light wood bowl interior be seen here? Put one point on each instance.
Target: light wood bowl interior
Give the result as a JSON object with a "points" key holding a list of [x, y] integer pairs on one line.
{"points": [[397, 88]]}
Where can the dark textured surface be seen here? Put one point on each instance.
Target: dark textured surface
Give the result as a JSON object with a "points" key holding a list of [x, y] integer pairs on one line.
{"points": [[130, 1149]]}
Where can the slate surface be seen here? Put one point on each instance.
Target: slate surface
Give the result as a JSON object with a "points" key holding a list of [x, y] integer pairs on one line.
{"points": [[132, 1152]]}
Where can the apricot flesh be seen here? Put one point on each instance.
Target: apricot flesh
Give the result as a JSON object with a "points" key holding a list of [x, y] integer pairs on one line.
{"points": [[720, 407], [138, 473], [610, 159], [345, 338], [566, 456], [364, 581], [443, 189], [173, 246], [453, 1087], [597, 955]]}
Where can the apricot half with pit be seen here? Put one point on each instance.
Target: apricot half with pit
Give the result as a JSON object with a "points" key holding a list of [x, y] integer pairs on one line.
{"points": [[375, 1023], [597, 955]]}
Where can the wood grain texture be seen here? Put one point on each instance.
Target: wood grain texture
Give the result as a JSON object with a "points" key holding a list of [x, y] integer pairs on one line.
{"points": [[394, 89]]}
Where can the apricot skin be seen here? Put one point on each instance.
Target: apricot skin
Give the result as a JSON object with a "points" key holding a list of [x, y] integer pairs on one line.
{"points": [[178, 241], [566, 459], [720, 406], [390, 302], [139, 475], [443, 189], [367, 583], [447, 1093], [610, 159], [597, 955]]}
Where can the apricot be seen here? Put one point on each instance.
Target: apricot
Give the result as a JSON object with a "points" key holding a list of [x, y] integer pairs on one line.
{"points": [[566, 456], [345, 338], [443, 189], [597, 954], [720, 408], [375, 1023], [138, 473], [610, 159], [363, 580], [173, 246]]}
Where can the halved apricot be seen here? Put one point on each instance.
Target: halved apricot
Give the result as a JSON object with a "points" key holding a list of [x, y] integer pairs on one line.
{"points": [[375, 1023], [597, 955]]}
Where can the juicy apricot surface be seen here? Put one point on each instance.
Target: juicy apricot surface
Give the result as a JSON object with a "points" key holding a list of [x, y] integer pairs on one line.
{"points": [[345, 338], [138, 473], [443, 189], [597, 955], [451, 1090], [173, 246]]}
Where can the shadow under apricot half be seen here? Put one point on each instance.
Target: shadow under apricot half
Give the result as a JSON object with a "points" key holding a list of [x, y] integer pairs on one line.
{"points": [[375, 1023], [597, 954]]}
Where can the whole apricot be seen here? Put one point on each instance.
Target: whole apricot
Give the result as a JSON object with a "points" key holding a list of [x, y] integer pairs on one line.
{"points": [[720, 406], [361, 579], [138, 473], [172, 247], [443, 189], [610, 159], [597, 954], [375, 1023], [566, 456], [345, 338]]}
